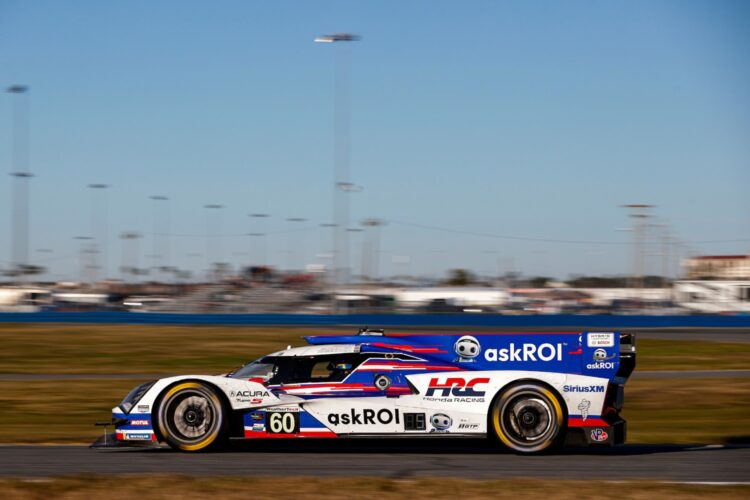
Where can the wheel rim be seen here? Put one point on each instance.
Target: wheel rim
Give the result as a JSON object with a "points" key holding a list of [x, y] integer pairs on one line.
{"points": [[190, 416], [527, 419]]}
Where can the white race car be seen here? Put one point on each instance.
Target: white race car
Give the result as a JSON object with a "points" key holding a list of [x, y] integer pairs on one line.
{"points": [[529, 391]]}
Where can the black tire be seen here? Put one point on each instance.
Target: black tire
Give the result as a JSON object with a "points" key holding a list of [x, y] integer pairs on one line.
{"points": [[191, 417], [527, 418]]}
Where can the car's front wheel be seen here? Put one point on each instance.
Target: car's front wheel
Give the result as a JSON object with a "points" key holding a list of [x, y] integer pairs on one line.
{"points": [[191, 417], [527, 418]]}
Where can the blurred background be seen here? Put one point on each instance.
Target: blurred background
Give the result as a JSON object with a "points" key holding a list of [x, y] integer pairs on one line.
{"points": [[265, 168], [497, 157]]}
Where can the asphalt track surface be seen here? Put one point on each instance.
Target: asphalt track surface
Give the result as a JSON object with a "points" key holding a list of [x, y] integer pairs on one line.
{"points": [[396, 459]]}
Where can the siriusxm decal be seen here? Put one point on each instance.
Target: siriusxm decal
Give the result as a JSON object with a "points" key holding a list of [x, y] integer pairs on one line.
{"points": [[583, 388], [526, 352]]}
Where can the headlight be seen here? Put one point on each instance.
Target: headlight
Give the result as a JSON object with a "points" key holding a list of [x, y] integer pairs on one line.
{"points": [[135, 395]]}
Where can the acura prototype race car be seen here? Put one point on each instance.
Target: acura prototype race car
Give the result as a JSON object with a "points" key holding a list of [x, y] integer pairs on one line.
{"points": [[529, 391]]}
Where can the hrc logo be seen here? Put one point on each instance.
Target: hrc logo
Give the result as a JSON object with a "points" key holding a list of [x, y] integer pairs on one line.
{"points": [[456, 386]]}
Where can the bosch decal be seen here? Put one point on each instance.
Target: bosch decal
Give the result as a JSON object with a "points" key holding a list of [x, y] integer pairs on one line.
{"points": [[601, 339]]}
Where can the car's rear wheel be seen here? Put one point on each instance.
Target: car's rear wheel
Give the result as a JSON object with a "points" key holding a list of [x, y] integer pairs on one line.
{"points": [[527, 418], [191, 417]]}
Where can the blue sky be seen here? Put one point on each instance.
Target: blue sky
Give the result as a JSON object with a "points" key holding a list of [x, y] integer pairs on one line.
{"points": [[533, 119]]}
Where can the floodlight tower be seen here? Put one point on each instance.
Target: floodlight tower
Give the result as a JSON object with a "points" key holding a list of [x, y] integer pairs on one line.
{"points": [[99, 228], [371, 253], [639, 212], [160, 240], [21, 180], [263, 245], [342, 146], [213, 232]]}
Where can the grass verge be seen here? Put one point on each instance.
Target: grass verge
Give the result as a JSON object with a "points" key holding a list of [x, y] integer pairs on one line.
{"points": [[684, 411]]}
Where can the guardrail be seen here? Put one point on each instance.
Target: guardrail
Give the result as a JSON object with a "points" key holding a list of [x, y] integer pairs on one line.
{"points": [[385, 320]]}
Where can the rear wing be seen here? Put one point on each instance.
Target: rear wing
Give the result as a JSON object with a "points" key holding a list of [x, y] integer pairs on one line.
{"points": [[627, 355]]}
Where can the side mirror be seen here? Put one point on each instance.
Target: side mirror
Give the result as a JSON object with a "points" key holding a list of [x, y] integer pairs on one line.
{"points": [[382, 382]]}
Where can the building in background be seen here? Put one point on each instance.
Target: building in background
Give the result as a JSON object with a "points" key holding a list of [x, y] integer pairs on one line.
{"points": [[723, 267]]}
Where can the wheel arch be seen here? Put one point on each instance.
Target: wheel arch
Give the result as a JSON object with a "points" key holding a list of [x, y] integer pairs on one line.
{"points": [[528, 380], [531, 380], [226, 405]]}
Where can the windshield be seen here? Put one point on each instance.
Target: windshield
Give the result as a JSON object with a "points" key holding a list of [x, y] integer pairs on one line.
{"points": [[261, 368]]}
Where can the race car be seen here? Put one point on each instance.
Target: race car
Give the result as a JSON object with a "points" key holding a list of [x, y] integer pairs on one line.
{"points": [[530, 392]]}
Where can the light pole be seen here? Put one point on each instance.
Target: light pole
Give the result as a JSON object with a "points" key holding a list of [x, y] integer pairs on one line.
{"points": [[325, 240], [261, 246], [260, 217], [495, 256], [99, 227], [161, 246], [639, 212], [290, 244], [129, 265], [213, 230], [82, 252], [371, 252], [21, 180], [342, 142], [353, 231]]}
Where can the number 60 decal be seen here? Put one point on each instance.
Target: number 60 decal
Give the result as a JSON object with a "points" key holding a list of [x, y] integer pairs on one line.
{"points": [[282, 422]]}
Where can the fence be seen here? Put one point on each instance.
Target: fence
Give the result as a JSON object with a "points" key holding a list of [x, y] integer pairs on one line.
{"points": [[386, 320]]}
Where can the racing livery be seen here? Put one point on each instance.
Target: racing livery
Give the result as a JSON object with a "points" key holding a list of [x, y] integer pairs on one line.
{"points": [[529, 391]]}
